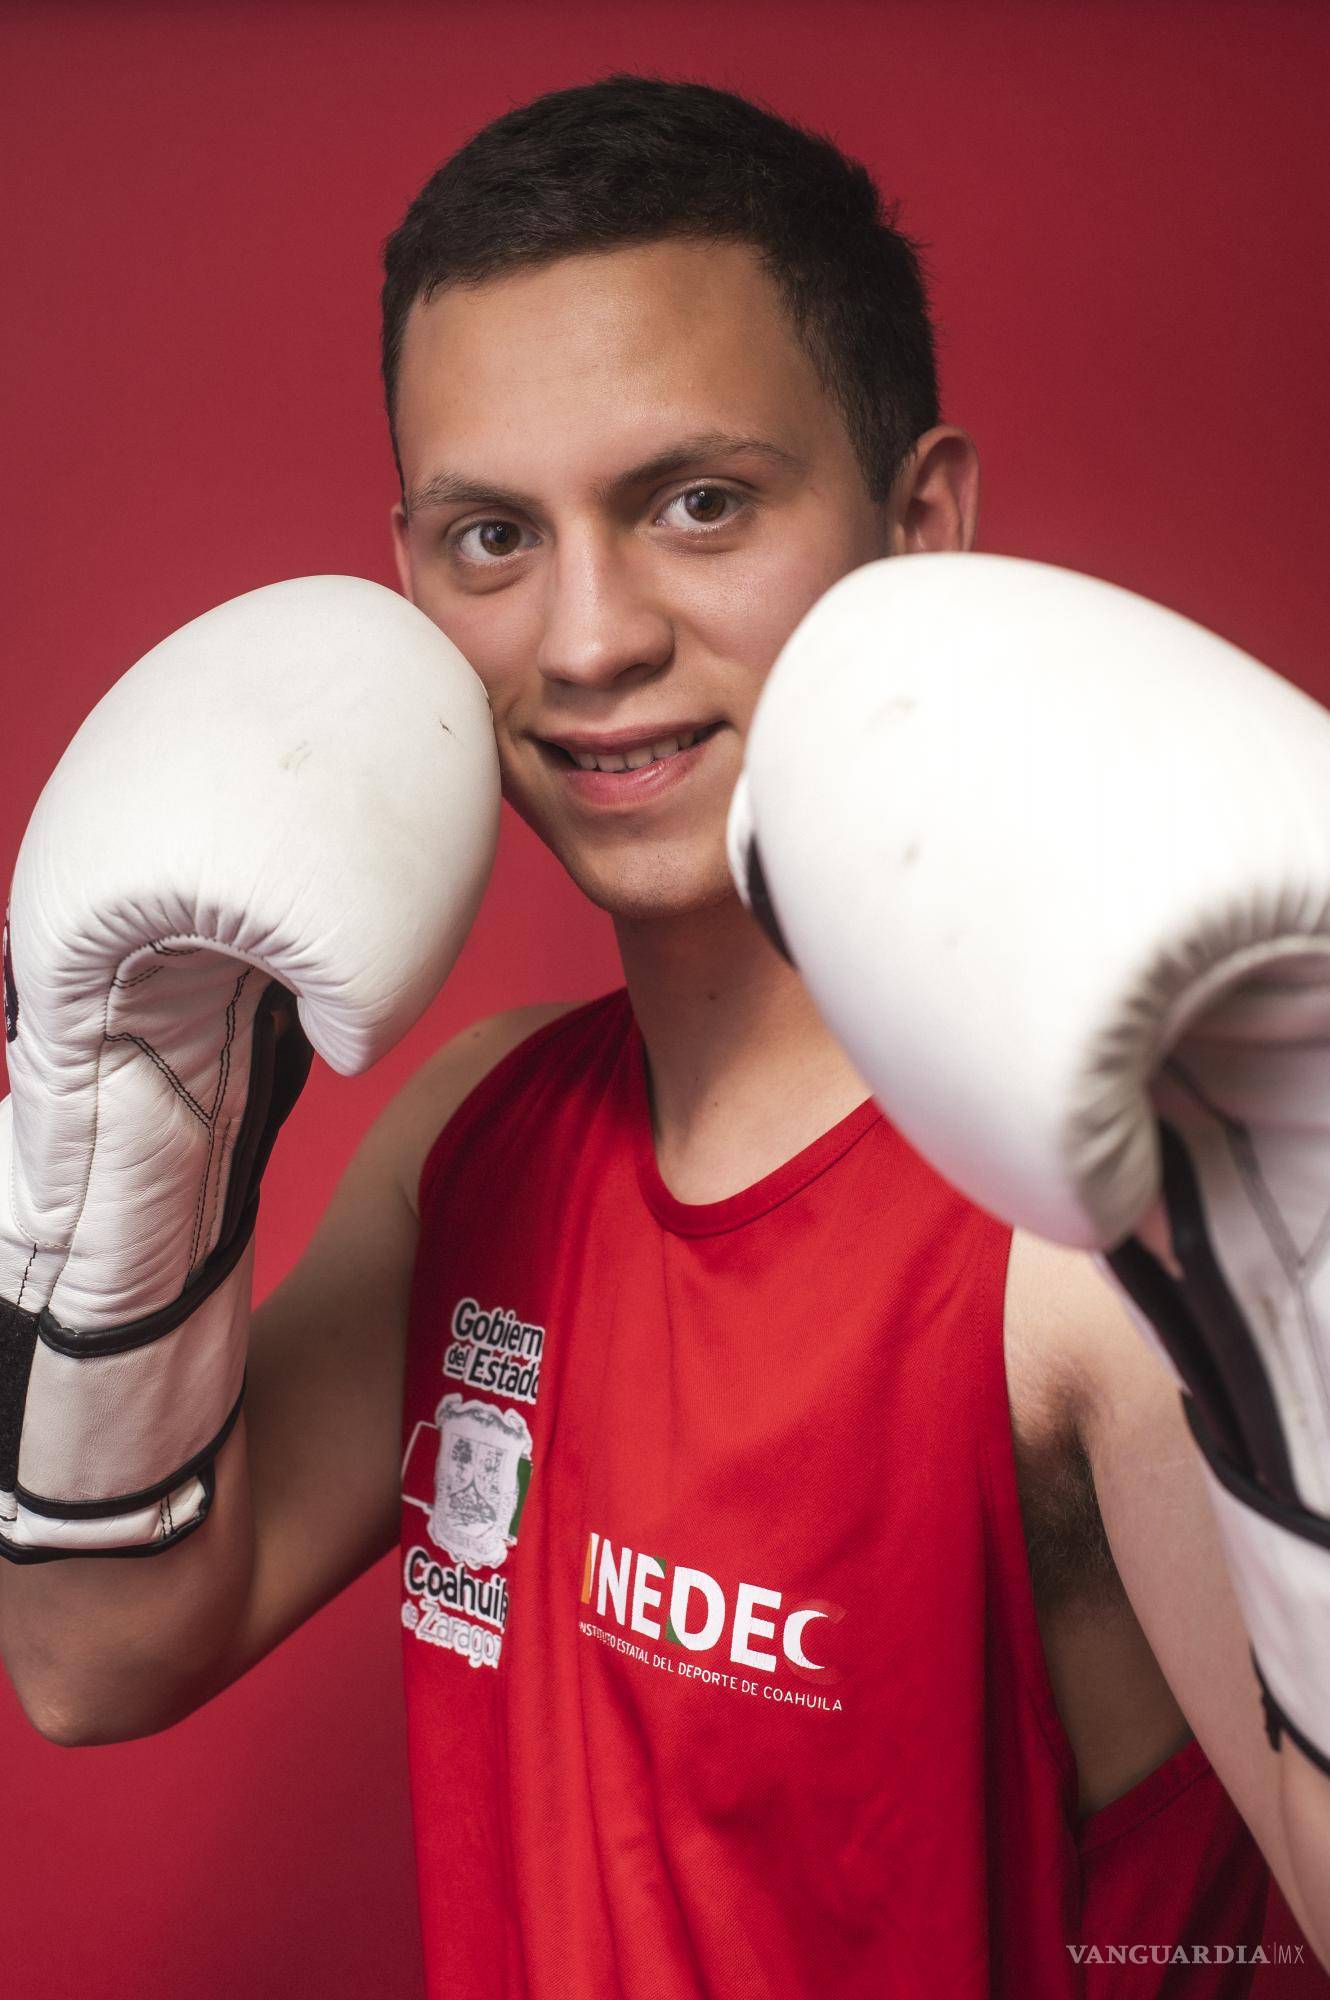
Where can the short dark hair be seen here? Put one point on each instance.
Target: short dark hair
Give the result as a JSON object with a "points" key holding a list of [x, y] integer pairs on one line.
{"points": [[630, 159]]}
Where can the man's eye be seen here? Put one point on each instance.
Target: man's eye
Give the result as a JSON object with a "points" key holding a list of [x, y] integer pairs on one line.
{"points": [[705, 506], [489, 541]]}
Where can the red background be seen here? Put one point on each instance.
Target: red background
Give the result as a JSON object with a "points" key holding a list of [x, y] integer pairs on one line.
{"points": [[1128, 214]]}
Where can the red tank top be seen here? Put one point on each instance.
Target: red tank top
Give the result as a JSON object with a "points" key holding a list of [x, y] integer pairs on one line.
{"points": [[723, 1676]]}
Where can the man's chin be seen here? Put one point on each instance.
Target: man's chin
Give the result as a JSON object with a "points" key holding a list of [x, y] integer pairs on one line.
{"points": [[639, 883], [662, 896]]}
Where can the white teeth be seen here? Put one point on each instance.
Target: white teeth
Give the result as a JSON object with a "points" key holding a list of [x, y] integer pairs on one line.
{"points": [[633, 759]]}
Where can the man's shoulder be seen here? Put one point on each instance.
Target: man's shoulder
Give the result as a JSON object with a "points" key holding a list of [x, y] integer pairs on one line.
{"points": [[1072, 1350], [466, 1058], [432, 1095]]}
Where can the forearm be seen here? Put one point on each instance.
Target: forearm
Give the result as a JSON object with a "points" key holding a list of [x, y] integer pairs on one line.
{"points": [[1305, 1802], [103, 1648]]}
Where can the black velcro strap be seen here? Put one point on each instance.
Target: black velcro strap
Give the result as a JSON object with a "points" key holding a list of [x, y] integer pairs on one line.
{"points": [[11, 990], [129, 1503], [279, 1063], [140, 1332], [1290, 1515], [18, 1344], [200, 1467], [22, 1557], [1277, 1724], [1205, 1333]]}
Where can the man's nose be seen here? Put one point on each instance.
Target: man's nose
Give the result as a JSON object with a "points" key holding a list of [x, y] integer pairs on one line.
{"points": [[601, 619]]}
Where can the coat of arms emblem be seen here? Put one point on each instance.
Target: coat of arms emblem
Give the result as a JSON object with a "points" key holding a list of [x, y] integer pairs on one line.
{"points": [[480, 1480]]}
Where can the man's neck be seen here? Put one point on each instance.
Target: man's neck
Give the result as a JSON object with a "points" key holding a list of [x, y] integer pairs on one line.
{"points": [[743, 1075]]}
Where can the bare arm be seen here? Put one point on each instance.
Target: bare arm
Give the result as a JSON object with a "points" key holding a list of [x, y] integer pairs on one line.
{"points": [[1151, 1491], [100, 1649]]}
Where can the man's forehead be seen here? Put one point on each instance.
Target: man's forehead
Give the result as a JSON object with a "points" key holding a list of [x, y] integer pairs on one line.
{"points": [[647, 309], [655, 344]]}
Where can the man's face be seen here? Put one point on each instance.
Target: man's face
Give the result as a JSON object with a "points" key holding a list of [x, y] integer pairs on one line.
{"points": [[625, 487]]}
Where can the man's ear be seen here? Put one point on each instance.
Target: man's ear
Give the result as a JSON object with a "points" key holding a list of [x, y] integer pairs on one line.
{"points": [[402, 550], [935, 501]]}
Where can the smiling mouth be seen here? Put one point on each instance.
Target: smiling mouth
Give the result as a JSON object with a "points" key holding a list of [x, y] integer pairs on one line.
{"points": [[633, 757]]}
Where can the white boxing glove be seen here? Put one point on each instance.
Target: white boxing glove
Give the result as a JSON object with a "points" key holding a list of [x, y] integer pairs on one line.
{"points": [[297, 794], [1054, 864]]}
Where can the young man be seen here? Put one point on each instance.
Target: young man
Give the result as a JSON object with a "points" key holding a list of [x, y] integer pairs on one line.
{"points": [[787, 1605]]}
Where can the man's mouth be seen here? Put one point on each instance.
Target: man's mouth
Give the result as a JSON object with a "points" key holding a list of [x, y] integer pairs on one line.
{"points": [[628, 756], [618, 772]]}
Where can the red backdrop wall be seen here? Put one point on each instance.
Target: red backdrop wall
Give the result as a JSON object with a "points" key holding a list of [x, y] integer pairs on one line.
{"points": [[1127, 209]]}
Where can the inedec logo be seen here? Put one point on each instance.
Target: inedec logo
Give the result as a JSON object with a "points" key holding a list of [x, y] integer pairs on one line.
{"points": [[686, 1607]]}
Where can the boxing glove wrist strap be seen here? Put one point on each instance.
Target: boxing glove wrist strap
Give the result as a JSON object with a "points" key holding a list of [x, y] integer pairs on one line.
{"points": [[104, 1434], [142, 1530], [1278, 1555], [1277, 1548]]}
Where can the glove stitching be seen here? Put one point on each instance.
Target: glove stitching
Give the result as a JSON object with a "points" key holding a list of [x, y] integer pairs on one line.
{"points": [[150, 972], [187, 1097], [219, 1099], [162, 950], [167, 951], [220, 1181], [1243, 1153], [1320, 1243], [1297, 1268], [22, 1283], [224, 1053]]}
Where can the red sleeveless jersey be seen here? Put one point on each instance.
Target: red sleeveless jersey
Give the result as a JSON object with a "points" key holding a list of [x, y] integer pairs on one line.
{"points": [[722, 1669]]}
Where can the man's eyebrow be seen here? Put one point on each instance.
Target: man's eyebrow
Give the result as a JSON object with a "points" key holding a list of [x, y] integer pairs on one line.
{"points": [[450, 489]]}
